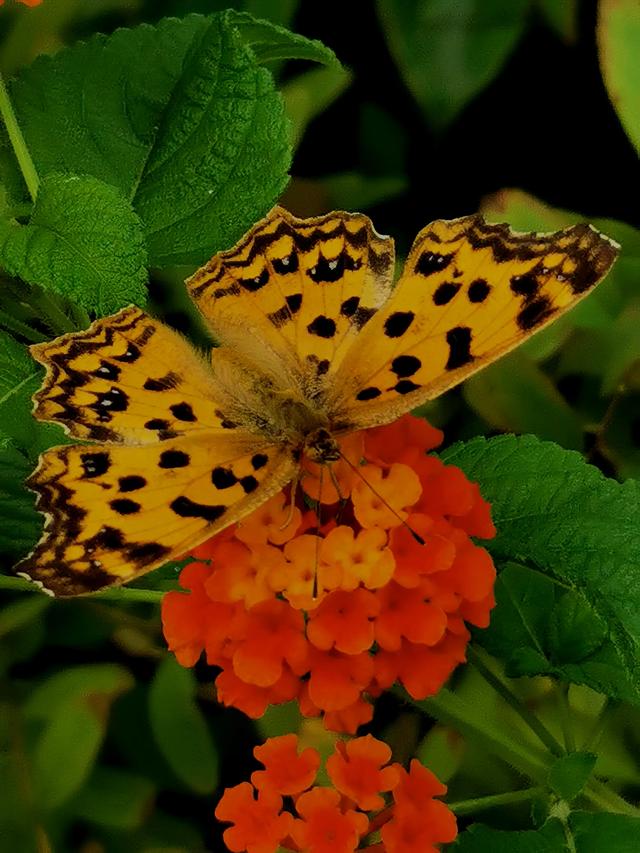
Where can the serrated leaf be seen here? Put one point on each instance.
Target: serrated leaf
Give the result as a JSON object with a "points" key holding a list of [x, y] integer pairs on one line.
{"points": [[481, 839], [94, 683], [83, 241], [618, 34], [20, 525], [575, 631], [179, 727], [180, 117], [570, 774], [448, 51], [269, 42], [604, 833], [65, 752], [114, 798], [556, 513]]}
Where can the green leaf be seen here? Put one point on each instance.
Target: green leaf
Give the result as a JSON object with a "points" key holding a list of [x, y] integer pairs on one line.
{"points": [[449, 50], [561, 15], [95, 684], [309, 94], [618, 33], [21, 525], [114, 798], [556, 513], [20, 612], [604, 833], [83, 241], [268, 41], [570, 774], [575, 630], [481, 839], [514, 395], [179, 727], [180, 117]]}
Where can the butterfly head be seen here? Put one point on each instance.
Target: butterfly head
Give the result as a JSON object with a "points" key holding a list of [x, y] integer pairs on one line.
{"points": [[321, 447]]}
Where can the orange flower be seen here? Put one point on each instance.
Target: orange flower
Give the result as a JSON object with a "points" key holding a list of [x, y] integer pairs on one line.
{"points": [[324, 827], [335, 819], [285, 771], [259, 825], [331, 610], [25, 2], [356, 771]]}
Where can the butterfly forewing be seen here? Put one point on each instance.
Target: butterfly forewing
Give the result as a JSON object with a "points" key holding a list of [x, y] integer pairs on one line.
{"points": [[469, 293]]}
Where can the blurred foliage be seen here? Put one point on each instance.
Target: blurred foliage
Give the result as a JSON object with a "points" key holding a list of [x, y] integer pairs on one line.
{"points": [[527, 111]]}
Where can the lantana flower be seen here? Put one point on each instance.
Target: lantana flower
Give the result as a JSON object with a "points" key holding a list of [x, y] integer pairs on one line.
{"points": [[332, 605], [369, 804]]}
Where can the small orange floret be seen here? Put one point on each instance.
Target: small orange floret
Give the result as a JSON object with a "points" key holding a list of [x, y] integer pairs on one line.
{"points": [[407, 613], [251, 699], [361, 558], [337, 680], [356, 771], [285, 771], [275, 522], [325, 827], [259, 826], [344, 621], [398, 487]]}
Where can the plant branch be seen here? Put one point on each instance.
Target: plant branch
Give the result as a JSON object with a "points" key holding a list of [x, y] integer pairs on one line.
{"points": [[18, 142], [463, 807]]}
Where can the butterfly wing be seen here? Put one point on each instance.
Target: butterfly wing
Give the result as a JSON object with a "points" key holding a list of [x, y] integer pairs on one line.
{"points": [[114, 512], [470, 292], [127, 379], [293, 293]]}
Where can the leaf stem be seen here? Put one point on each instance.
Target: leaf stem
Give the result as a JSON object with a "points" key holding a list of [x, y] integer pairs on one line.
{"points": [[477, 804], [562, 692], [474, 657], [18, 142]]}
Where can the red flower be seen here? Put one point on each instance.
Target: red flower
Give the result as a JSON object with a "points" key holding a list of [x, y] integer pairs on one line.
{"points": [[259, 824], [332, 617], [285, 771], [325, 827], [356, 770]]}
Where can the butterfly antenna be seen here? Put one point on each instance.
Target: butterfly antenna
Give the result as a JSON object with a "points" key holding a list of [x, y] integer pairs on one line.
{"points": [[341, 498], [385, 503]]}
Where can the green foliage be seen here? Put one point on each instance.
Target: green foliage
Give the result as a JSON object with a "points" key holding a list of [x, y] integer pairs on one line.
{"points": [[83, 241], [481, 839], [555, 513], [569, 774], [618, 40]]}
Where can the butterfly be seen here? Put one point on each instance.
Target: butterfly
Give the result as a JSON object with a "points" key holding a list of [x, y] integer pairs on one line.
{"points": [[314, 343]]}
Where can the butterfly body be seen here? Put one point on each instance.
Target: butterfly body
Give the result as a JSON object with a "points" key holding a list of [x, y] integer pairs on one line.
{"points": [[314, 343]]}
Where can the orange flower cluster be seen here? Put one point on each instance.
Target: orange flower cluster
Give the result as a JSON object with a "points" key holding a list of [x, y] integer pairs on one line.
{"points": [[336, 819], [379, 593], [25, 2]]}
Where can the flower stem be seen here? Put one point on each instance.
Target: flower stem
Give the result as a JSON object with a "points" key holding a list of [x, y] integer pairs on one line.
{"points": [[463, 807], [18, 142], [474, 656]]}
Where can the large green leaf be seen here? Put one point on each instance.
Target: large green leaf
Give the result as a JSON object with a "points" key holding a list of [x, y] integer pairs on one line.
{"points": [[83, 241], [558, 514], [180, 729], [618, 34], [449, 50], [482, 839], [604, 833], [179, 117]]}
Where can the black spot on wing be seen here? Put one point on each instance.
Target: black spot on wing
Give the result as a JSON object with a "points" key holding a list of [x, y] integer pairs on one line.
{"points": [[146, 552], [350, 306], [113, 400], [280, 317], [368, 394], [131, 483], [163, 383], [173, 459], [259, 460], [524, 285], [157, 424], [328, 270], [478, 290], [183, 412], [223, 478], [286, 265], [445, 292], [432, 262], [459, 340], [107, 371], [405, 386], [186, 508], [125, 506], [322, 327], [249, 484], [131, 354], [294, 301], [109, 538], [397, 323], [534, 313], [405, 365], [95, 464], [255, 283]]}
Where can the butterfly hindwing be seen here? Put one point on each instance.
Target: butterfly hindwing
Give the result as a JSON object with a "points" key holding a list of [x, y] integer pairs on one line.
{"points": [[114, 512], [470, 292], [293, 293], [127, 378]]}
